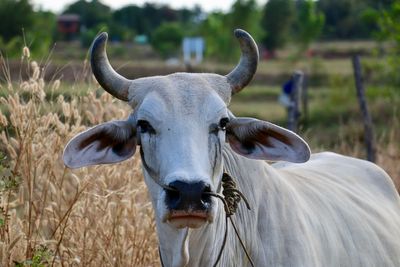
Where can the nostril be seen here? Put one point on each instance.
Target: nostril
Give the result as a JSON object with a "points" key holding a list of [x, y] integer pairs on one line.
{"points": [[206, 198], [174, 193], [207, 189], [173, 196]]}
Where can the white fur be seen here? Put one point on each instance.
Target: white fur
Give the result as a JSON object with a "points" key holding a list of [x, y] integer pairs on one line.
{"points": [[331, 211]]}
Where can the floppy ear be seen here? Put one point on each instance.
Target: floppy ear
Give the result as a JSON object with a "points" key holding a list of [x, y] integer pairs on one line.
{"points": [[109, 142], [263, 140]]}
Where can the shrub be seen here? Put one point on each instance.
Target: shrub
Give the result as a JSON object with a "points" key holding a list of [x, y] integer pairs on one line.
{"points": [[167, 39]]}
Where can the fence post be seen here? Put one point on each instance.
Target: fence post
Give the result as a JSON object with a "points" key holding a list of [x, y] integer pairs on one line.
{"points": [[369, 133], [304, 98], [293, 109]]}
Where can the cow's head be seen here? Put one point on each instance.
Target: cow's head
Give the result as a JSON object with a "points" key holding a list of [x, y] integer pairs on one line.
{"points": [[180, 123]]}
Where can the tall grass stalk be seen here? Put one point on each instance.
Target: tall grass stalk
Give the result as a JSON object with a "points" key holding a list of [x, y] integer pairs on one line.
{"points": [[54, 216]]}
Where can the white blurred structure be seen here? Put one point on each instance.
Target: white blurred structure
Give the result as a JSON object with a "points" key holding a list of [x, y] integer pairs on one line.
{"points": [[193, 45]]}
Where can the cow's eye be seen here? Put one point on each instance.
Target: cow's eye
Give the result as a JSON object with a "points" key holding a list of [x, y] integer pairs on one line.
{"points": [[145, 127], [222, 124]]}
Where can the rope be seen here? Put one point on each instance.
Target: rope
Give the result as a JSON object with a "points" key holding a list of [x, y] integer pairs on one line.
{"points": [[230, 197]]}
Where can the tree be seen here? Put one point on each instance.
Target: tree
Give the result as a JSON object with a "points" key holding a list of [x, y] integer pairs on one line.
{"points": [[145, 20], [22, 26], [167, 39], [41, 37], [217, 33], [350, 19], [277, 19], [389, 24], [380, 4], [91, 13], [246, 15], [309, 23], [218, 28], [15, 16], [153, 18], [131, 17]]}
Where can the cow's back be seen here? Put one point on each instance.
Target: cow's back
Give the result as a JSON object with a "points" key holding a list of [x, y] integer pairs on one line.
{"points": [[348, 211]]}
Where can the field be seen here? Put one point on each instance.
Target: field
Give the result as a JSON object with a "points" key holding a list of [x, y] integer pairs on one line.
{"points": [[101, 216]]}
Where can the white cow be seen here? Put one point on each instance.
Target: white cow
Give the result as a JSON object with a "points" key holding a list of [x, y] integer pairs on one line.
{"points": [[331, 210]]}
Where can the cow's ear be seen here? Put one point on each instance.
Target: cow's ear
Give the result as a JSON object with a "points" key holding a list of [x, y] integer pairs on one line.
{"points": [[105, 143], [263, 140]]}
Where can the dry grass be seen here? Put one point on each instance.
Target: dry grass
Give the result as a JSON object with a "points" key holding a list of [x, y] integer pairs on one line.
{"points": [[51, 215], [349, 140], [387, 150]]}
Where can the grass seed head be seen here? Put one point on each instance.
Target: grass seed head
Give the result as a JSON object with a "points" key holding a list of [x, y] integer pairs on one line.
{"points": [[26, 52]]}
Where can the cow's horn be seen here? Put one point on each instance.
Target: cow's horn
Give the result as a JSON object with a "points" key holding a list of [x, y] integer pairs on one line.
{"points": [[107, 77], [242, 74]]}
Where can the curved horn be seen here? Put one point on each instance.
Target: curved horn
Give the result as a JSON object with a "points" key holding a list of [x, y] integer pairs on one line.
{"points": [[107, 77], [242, 74]]}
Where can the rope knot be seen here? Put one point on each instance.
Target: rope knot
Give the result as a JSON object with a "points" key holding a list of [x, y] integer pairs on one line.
{"points": [[231, 195]]}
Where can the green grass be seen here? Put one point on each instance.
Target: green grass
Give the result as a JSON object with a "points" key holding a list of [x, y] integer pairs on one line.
{"points": [[333, 114]]}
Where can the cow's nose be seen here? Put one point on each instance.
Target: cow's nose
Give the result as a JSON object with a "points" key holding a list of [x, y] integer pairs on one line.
{"points": [[186, 196]]}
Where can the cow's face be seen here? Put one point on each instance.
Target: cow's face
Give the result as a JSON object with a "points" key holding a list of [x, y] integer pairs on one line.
{"points": [[180, 124], [181, 128]]}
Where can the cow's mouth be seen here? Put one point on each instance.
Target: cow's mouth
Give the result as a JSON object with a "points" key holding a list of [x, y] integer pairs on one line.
{"points": [[191, 219]]}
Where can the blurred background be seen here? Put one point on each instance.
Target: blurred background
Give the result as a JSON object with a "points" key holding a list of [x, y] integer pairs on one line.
{"points": [[318, 38], [309, 55]]}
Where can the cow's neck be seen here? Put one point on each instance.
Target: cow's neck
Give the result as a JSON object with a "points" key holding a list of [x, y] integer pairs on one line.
{"points": [[274, 202], [195, 247], [200, 247]]}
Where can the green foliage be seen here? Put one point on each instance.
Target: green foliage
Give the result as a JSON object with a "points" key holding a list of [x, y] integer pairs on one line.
{"points": [[218, 37], [40, 258], [32, 29], [120, 33], [390, 30], [218, 28], [91, 13], [41, 37], [145, 20], [167, 39], [390, 24], [88, 36], [309, 23], [15, 15], [124, 23], [12, 48], [116, 33], [370, 17], [350, 19], [22, 26], [246, 15], [131, 17], [277, 19], [9, 181]]}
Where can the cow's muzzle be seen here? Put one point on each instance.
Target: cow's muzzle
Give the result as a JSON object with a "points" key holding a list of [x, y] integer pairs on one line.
{"points": [[188, 204]]}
